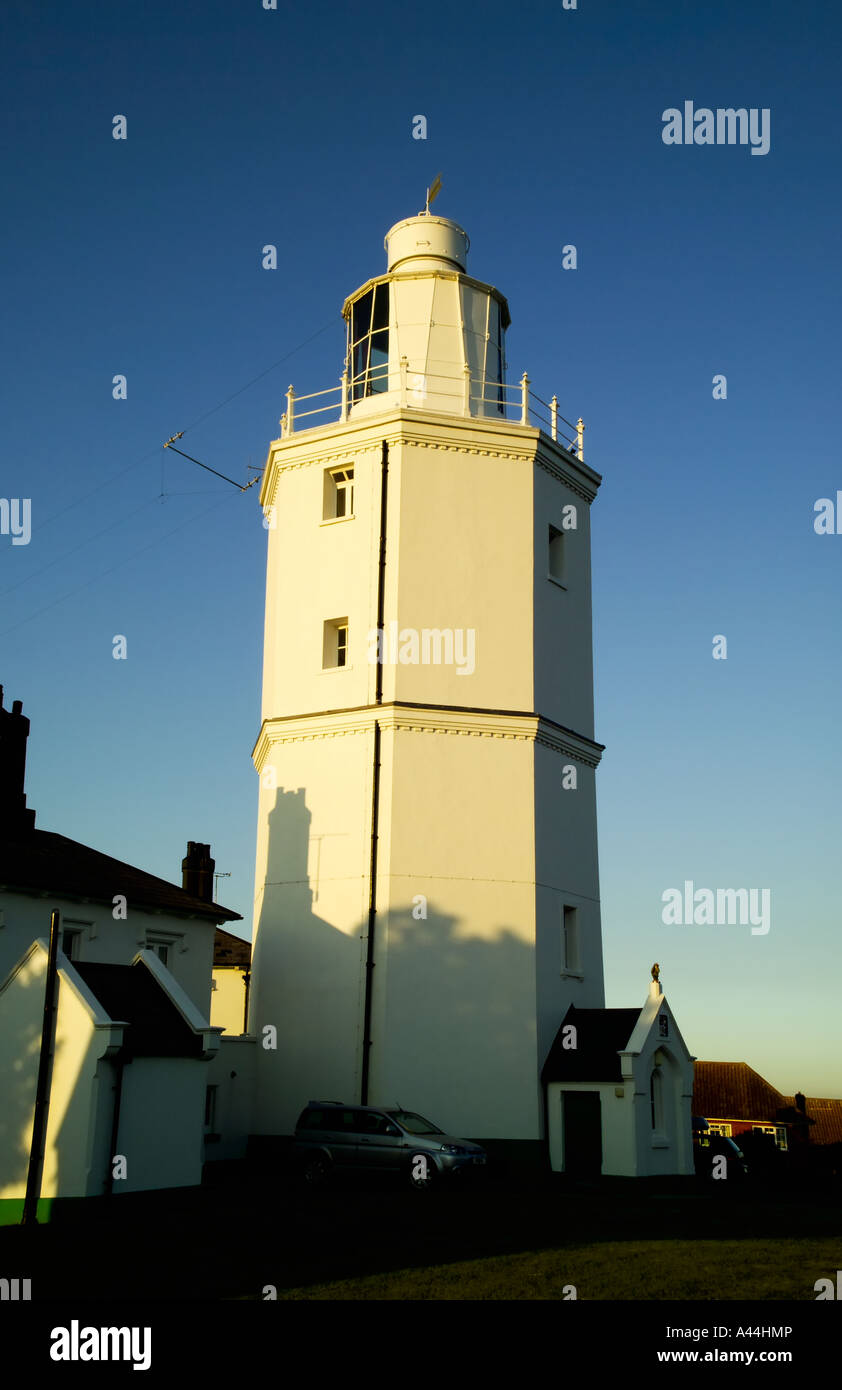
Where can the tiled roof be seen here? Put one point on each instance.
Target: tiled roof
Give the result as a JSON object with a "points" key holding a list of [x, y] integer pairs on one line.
{"points": [[733, 1091], [231, 950], [600, 1035], [131, 994], [828, 1119], [53, 864]]}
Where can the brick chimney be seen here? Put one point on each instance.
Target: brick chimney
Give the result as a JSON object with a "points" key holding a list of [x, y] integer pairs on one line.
{"points": [[197, 871], [15, 820]]}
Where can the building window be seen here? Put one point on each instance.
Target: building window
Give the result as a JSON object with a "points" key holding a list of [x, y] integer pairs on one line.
{"points": [[723, 1129], [161, 947], [570, 956], [368, 337], [556, 557], [338, 494], [71, 940], [335, 644], [663, 1026], [776, 1132], [656, 1099], [210, 1109]]}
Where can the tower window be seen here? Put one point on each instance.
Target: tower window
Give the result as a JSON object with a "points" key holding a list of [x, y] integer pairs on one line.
{"points": [[570, 956], [335, 644], [369, 343], [339, 493], [556, 556]]}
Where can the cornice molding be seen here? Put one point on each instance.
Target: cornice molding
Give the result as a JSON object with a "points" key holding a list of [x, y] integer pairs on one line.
{"points": [[526, 728], [483, 437]]}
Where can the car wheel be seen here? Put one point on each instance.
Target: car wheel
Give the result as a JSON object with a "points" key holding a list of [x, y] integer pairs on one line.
{"points": [[317, 1171], [423, 1173]]}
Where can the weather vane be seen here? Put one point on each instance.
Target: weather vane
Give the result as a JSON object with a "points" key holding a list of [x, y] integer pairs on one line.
{"points": [[433, 192]]}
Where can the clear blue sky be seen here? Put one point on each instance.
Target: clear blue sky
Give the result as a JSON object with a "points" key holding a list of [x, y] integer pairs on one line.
{"points": [[293, 127]]}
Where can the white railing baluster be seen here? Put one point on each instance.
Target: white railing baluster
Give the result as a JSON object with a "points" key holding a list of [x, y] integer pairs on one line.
{"points": [[524, 400], [404, 370]]}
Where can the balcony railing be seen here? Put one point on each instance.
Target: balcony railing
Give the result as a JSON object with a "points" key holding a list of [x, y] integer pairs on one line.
{"points": [[471, 397]]}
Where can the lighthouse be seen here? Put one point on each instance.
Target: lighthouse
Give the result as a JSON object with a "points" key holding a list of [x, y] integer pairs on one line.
{"points": [[427, 891]]}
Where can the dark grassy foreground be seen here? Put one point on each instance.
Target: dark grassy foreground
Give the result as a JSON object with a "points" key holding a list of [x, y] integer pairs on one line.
{"points": [[657, 1269], [508, 1236]]}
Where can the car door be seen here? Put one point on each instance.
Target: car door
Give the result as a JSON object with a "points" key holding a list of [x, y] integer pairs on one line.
{"points": [[379, 1141], [340, 1135]]}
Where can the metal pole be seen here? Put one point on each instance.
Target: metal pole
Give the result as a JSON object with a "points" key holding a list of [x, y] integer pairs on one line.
{"points": [[42, 1089]]}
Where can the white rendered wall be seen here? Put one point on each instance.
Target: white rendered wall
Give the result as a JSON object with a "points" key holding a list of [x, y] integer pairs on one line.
{"points": [[109, 941], [472, 815], [76, 1139]]}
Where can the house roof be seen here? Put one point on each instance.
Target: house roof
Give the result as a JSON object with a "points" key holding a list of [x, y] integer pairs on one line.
{"points": [[827, 1115], [601, 1034], [230, 950], [49, 863], [131, 994], [734, 1091]]}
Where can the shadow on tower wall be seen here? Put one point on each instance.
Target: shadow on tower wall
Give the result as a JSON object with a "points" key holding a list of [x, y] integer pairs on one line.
{"points": [[453, 1011]]}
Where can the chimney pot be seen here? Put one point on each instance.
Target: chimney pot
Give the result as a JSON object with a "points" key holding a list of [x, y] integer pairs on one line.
{"points": [[197, 871]]}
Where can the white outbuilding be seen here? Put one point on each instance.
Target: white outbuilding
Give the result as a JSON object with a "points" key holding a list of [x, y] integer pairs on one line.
{"points": [[619, 1086]]}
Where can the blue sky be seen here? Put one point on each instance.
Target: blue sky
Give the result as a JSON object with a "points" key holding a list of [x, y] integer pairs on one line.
{"points": [[142, 257]]}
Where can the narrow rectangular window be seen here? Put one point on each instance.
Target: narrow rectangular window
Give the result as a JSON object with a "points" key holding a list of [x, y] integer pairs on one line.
{"points": [[570, 940], [161, 948], [210, 1109], [338, 493], [70, 942], [556, 557], [335, 644]]}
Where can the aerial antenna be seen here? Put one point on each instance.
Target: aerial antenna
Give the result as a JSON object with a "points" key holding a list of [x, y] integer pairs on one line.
{"points": [[169, 445], [433, 192]]}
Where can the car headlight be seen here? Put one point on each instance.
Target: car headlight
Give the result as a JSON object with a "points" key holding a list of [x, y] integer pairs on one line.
{"points": [[452, 1149]]}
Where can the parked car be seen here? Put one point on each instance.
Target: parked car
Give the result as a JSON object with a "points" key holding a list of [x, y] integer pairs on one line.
{"points": [[708, 1146], [331, 1137]]}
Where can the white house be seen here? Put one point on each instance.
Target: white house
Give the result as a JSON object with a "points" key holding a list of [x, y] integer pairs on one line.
{"points": [[132, 1042]]}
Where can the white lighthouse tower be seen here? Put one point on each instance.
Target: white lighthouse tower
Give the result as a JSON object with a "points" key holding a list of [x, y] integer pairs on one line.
{"points": [[427, 897]]}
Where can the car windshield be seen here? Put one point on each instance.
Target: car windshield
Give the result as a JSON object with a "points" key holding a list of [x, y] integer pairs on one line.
{"points": [[416, 1124]]}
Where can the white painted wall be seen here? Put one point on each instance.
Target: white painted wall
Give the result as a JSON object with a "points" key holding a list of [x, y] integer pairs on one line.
{"points": [[162, 1107], [630, 1146], [25, 917], [161, 1118], [76, 1127], [233, 1071], [228, 998], [472, 816]]}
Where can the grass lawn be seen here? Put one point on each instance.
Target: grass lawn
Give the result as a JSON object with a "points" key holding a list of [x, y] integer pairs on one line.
{"points": [[652, 1269]]}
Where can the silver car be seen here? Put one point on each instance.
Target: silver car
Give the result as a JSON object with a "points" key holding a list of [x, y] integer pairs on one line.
{"points": [[331, 1137]]}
